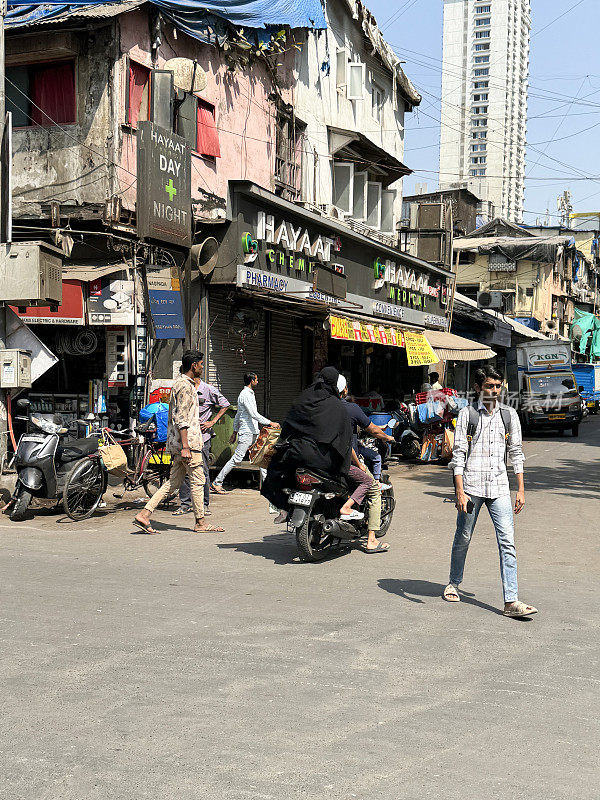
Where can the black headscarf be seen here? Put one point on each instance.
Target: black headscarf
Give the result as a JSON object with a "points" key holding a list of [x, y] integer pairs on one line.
{"points": [[320, 414]]}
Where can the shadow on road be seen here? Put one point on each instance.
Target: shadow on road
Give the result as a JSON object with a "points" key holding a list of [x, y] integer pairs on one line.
{"points": [[277, 547], [406, 588]]}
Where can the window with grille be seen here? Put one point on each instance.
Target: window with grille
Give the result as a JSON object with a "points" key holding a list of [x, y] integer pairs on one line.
{"points": [[288, 156]]}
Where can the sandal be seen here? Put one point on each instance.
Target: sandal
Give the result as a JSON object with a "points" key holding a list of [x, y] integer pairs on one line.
{"points": [[209, 529], [216, 489], [381, 548], [180, 511], [520, 610], [451, 594], [145, 527]]}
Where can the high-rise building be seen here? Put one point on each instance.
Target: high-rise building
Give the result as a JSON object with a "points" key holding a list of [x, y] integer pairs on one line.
{"points": [[484, 100]]}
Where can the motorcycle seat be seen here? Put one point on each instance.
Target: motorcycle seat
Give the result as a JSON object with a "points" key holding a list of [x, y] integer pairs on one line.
{"points": [[77, 449]]}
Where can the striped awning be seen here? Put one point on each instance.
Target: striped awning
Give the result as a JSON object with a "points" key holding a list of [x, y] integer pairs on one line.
{"points": [[450, 347]]}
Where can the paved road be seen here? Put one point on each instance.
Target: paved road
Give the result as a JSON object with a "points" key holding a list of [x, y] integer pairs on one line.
{"points": [[183, 666]]}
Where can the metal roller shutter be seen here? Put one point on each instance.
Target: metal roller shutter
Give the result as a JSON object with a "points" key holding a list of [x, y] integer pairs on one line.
{"points": [[228, 357], [285, 364]]}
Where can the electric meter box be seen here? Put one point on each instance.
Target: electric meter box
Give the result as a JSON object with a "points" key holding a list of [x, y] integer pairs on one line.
{"points": [[30, 274], [15, 369]]}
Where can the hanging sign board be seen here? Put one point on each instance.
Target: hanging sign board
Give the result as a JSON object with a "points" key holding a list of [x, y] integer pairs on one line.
{"points": [[164, 297], [164, 195], [418, 350], [353, 330]]}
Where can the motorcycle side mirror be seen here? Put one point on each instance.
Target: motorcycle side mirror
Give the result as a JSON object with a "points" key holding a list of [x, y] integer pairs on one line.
{"points": [[392, 424], [23, 402], [581, 389]]}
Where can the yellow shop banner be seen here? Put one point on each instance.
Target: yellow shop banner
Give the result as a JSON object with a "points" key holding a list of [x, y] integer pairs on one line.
{"points": [[418, 350]]}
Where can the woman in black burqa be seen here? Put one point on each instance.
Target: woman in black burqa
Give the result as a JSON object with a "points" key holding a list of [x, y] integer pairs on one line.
{"points": [[319, 436]]}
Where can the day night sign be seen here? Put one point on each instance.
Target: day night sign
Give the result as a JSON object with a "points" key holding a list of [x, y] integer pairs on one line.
{"points": [[164, 200]]}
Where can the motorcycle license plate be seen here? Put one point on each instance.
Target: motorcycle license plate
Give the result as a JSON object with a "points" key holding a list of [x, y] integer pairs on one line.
{"points": [[301, 498], [556, 416]]}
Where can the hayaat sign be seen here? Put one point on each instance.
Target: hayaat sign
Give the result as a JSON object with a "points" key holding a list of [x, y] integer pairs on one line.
{"points": [[281, 252], [164, 198]]}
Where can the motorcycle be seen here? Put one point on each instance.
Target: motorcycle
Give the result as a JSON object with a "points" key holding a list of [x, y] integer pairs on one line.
{"points": [[315, 505], [398, 424], [71, 473]]}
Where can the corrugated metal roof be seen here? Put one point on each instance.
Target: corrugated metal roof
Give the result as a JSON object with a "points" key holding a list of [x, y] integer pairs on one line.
{"points": [[104, 11]]}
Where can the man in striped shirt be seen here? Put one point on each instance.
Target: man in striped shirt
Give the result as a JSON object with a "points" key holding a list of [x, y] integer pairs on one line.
{"points": [[478, 463]]}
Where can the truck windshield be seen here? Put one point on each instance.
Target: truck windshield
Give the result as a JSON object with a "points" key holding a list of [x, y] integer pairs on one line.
{"points": [[552, 385]]}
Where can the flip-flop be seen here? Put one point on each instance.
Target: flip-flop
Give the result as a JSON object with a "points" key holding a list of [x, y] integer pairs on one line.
{"points": [[450, 594], [353, 515], [521, 610], [381, 548], [218, 489], [210, 529], [181, 511], [146, 527]]}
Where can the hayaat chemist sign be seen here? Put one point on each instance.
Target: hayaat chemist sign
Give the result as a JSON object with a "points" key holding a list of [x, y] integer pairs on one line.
{"points": [[164, 195]]}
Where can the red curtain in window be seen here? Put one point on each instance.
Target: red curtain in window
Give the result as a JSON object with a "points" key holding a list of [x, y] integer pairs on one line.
{"points": [[207, 134], [53, 94], [138, 81]]}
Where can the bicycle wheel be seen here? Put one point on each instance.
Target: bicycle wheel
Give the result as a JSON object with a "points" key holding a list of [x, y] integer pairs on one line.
{"points": [[84, 488], [154, 473]]}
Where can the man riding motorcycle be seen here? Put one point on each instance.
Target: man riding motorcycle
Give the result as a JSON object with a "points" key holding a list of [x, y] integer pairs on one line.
{"points": [[318, 435]]}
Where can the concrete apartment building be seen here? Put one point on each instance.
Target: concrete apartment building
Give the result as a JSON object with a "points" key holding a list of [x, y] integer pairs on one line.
{"points": [[484, 105]]}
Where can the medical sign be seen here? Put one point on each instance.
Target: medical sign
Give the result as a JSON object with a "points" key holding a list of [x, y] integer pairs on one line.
{"points": [[164, 199]]}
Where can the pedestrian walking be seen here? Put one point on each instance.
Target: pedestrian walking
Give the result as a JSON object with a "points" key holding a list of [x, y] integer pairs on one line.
{"points": [[184, 443], [246, 427], [486, 432], [210, 400]]}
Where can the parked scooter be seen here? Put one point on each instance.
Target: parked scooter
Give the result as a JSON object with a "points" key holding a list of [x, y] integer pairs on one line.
{"points": [[46, 467], [408, 442], [315, 504]]}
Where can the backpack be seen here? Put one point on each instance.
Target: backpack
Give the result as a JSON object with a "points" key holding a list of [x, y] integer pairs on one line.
{"points": [[473, 424]]}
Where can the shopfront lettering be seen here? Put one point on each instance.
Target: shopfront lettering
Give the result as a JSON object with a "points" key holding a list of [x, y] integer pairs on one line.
{"points": [[406, 298], [265, 280], [167, 141], [297, 240], [170, 213]]}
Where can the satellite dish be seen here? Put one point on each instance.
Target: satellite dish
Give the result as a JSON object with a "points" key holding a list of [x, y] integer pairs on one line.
{"points": [[204, 255], [187, 75]]}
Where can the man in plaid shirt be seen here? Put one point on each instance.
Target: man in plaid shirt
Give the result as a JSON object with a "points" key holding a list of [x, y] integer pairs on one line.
{"points": [[480, 479]]}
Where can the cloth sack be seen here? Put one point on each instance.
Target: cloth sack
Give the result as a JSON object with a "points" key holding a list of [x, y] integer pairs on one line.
{"points": [[430, 412], [263, 449], [113, 456], [448, 444]]}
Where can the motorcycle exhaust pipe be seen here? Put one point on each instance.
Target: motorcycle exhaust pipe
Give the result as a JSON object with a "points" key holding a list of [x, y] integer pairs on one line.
{"points": [[340, 529]]}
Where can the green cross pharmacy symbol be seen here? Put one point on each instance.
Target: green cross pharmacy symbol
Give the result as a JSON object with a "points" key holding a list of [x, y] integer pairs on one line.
{"points": [[170, 189]]}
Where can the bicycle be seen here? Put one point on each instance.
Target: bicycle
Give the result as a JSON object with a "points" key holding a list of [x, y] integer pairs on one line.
{"points": [[148, 465]]}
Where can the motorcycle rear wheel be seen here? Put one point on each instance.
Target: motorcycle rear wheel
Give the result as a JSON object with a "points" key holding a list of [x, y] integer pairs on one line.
{"points": [[388, 504], [21, 505], [312, 545]]}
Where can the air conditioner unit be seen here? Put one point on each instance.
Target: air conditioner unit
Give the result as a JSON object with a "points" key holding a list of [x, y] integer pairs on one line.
{"points": [[493, 300], [31, 274], [333, 211]]}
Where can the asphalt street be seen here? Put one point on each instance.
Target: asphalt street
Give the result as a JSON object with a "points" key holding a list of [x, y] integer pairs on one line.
{"points": [[218, 666]]}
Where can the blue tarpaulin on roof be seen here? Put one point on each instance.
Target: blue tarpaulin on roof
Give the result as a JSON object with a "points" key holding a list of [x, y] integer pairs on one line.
{"points": [[191, 15]]}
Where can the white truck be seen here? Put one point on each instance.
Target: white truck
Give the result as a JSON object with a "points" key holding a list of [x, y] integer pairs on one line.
{"points": [[541, 381]]}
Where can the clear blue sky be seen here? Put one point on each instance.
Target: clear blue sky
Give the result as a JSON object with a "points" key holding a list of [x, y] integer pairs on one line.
{"points": [[564, 97]]}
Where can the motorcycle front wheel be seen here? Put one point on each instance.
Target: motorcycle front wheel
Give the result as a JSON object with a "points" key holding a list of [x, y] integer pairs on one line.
{"points": [[84, 488], [19, 510]]}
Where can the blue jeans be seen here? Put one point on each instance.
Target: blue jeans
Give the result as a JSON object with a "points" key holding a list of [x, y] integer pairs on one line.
{"points": [[373, 458], [501, 512]]}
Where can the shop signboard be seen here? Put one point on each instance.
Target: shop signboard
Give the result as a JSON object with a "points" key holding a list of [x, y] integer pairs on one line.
{"points": [[164, 199], [354, 330], [110, 302], [419, 352], [164, 296], [70, 312], [283, 250]]}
